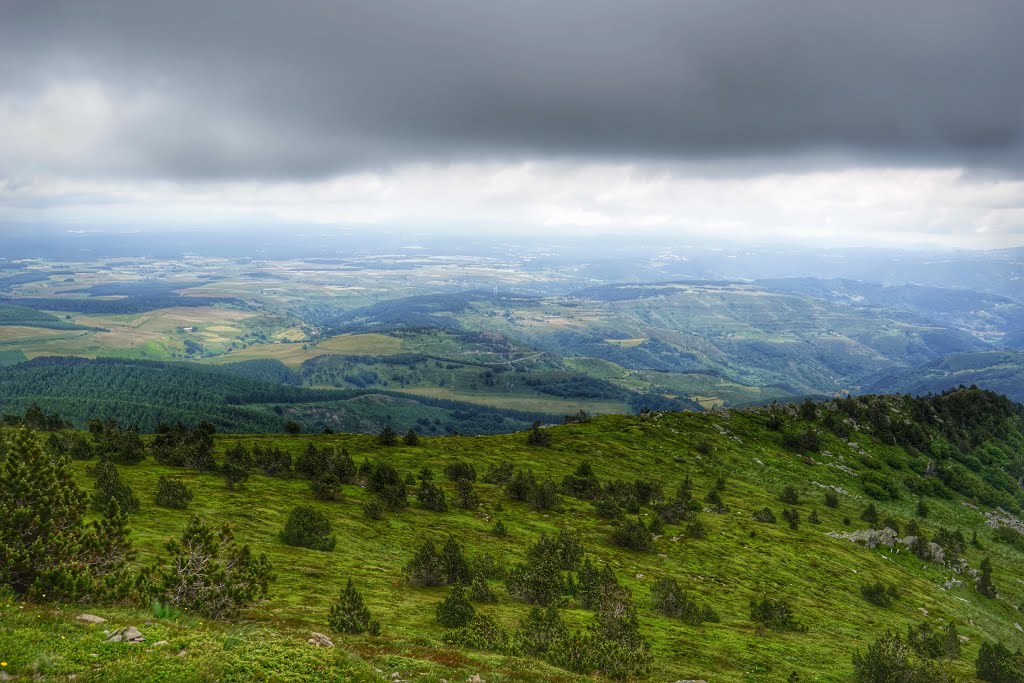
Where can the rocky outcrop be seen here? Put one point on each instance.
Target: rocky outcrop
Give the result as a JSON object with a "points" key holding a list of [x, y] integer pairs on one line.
{"points": [[128, 634]]}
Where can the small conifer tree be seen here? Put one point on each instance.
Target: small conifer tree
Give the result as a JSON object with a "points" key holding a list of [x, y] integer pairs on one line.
{"points": [[172, 493], [350, 615], [455, 611], [110, 486]]}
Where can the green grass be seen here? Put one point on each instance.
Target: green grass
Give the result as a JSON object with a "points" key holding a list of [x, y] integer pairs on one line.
{"points": [[739, 560]]}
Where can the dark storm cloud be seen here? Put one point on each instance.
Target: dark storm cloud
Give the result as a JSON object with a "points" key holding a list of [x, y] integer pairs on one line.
{"points": [[280, 89]]}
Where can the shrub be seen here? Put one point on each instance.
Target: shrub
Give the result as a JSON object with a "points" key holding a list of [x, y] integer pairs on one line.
{"points": [[465, 496], [308, 528], [109, 486], [538, 437], [803, 442], [813, 518], [172, 493], [592, 582], [889, 660], [669, 599], [124, 446], [585, 653], [350, 615], [831, 499], [208, 573], [565, 549], [454, 567], [632, 535], [540, 629], [482, 633], [891, 523], [425, 568], [606, 507], [545, 495], [765, 514], [387, 436], [455, 611], [984, 583], [499, 529], [932, 644], [789, 495], [458, 470], [487, 566], [374, 509], [237, 463], [327, 487], [996, 664], [582, 483], [879, 594], [500, 474], [292, 427], [176, 445], [793, 517], [695, 529], [870, 514], [384, 480], [538, 581], [411, 438], [921, 510], [774, 614], [480, 590], [522, 485], [273, 461], [431, 496]]}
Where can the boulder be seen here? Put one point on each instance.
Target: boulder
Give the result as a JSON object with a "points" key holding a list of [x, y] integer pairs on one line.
{"points": [[320, 640], [128, 634], [91, 619]]}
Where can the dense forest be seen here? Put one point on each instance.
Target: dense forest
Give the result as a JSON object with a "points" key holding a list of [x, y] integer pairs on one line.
{"points": [[244, 397]]}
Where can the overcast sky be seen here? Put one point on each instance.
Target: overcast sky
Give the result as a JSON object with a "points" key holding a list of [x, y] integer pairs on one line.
{"points": [[847, 123]]}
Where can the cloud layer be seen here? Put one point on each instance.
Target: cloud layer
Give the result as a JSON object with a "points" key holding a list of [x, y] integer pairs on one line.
{"points": [[272, 89], [125, 100]]}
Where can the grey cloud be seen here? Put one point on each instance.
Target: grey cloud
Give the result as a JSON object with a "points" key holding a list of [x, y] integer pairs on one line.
{"points": [[260, 88]]}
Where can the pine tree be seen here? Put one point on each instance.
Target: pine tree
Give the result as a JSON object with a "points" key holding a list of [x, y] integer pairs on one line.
{"points": [[411, 438], [109, 486], [465, 496], [237, 463], [455, 611], [46, 552], [387, 437], [350, 615], [453, 563], [172, 493], [207, 572], [308, 528], [425, 568], [984, 583]]}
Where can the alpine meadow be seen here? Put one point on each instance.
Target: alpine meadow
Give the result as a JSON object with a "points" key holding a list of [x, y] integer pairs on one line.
{"points": [[502, 342]]}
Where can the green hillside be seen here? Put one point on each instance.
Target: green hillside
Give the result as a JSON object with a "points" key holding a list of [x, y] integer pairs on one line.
{"points": [[942, 464], [999, 371]]}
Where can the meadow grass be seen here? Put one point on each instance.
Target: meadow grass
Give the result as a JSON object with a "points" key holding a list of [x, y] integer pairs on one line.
{"points": [[738, 561]]}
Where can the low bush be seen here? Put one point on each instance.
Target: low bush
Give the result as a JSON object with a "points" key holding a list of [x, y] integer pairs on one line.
{"points": [[308, 528], [172, 493]]}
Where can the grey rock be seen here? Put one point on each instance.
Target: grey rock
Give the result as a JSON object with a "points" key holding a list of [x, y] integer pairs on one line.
{"points": [[91, 619], [128, 634], [320, 640]]}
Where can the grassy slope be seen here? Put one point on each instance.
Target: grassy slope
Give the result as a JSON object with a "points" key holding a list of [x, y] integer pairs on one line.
{"points": [[740, 559]]}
